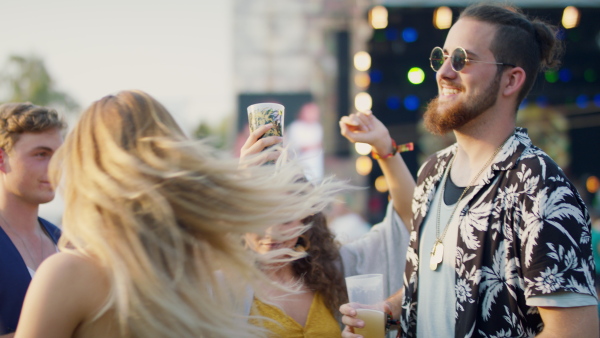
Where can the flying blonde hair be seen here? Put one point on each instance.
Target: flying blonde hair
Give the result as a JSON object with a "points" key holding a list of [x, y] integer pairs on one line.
{"points": [[162, 214]]}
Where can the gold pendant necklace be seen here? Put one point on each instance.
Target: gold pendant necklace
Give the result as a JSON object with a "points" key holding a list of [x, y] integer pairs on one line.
{"points": [[437, 253]]}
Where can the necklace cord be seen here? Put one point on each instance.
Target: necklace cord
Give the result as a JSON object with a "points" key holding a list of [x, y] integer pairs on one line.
{"points": [[438, 238]]}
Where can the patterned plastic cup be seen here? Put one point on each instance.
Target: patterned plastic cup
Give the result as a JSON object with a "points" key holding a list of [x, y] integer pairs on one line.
{"points": [[263, 113]]}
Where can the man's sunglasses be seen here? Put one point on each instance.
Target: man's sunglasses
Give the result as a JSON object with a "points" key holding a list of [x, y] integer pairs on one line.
{"points": [[458, 59]]}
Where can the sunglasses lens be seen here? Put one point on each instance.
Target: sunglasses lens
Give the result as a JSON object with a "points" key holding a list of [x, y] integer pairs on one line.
{"points": [[437, 58], [458, 59]]}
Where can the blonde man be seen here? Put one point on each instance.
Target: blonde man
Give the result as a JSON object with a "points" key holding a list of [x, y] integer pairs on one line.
{"points": [[29, 136]]}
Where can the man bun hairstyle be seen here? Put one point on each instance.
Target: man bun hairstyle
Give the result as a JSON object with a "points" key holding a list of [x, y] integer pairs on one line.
{"points": [[528, 43]]}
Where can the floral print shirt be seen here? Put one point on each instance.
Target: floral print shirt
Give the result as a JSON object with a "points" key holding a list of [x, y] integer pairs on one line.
{"points": [[523, 231]]}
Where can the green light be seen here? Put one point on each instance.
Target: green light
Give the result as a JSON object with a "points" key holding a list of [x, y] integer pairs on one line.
{"points": [[551, 76], [590, 75], [416, 75]]}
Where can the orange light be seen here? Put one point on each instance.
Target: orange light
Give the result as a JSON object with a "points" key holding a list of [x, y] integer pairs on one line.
{"points": [[592, 184], [362, 80], [364, 164], [381, 184]]}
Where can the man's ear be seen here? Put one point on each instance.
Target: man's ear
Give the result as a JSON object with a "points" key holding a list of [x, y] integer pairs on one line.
{"points": [[3, 160], [514, 81]]}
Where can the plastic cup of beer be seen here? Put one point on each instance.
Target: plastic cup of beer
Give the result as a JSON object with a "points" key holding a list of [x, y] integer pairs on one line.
{"points": [[366, 294], [263, 113]]}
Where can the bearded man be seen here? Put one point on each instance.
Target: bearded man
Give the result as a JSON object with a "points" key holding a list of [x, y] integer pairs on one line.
{"points": [[500, 239]]}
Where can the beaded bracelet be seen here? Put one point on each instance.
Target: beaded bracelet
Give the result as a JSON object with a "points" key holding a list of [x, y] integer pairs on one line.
{"points": [[395, 149], [390, 323]]}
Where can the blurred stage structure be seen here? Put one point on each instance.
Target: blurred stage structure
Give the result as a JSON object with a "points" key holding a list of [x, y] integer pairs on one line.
{"points": [[359, 55]]}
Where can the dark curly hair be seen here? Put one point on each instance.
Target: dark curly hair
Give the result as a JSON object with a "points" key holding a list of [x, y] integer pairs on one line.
{"points": [[322, 268]]}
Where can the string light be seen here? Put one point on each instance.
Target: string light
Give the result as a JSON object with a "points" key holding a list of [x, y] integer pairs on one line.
{"points": [[570, 18], [442, 18], [378, 17]]}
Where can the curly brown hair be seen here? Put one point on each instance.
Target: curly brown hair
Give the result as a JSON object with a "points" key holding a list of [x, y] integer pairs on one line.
{"points": [[19, 118], [322, 269]]}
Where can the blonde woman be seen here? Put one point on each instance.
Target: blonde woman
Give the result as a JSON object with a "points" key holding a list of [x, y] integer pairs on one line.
{"points": [[150, 216]]}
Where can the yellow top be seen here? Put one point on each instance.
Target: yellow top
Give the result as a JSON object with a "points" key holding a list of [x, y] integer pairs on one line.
{"points": [[319, 323]]}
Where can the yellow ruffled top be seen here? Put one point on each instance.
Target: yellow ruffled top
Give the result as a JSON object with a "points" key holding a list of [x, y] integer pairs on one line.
{"points": [[320, 321]]}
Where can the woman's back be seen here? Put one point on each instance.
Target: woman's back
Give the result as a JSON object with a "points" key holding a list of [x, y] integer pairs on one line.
{"points": [[72, 285]]}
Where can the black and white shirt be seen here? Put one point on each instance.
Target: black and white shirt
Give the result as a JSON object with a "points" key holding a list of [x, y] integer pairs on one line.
{"points": [[523, 231]]}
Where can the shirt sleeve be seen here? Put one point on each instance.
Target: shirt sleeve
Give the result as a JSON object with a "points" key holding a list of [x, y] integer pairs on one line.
{"points": [[562, 299], [556, 251], [381, 250]]}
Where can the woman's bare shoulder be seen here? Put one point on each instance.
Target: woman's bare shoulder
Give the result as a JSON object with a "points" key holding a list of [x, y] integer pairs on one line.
{"points": [[65, 265], [75, 275], [66, 291]]}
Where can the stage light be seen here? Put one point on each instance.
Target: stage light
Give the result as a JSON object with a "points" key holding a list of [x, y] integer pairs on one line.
{"points": [[442, 18], [542, 101], [416, 75], [393, 102], [363, 102], [590, 75], [570, 18], [597, 100], [551, 76], [391, 34], [364, 165], [362, 61], [582, 101], [362, 148], [411, 102], [592, 184], [381, 184], [378, 17], [410, 34], [376, 75], [565, 75], [362, 80]]}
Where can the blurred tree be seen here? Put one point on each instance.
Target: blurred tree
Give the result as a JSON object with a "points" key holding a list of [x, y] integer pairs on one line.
{"points": [[215, 135], [26, 79]]}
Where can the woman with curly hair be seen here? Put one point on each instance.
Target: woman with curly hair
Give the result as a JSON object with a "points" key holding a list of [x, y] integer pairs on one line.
{"points": [[312, 285], [150, 244], [307, 282]]}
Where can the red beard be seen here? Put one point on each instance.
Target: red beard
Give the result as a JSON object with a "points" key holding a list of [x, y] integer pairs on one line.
{"points": [[457, 114]]}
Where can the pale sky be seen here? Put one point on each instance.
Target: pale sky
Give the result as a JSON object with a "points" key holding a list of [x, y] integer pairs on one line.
{"points": [[179, 51]]}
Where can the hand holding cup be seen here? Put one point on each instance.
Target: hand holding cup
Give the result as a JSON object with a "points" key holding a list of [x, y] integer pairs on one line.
{"points": [[365, 314], [256, 143]]}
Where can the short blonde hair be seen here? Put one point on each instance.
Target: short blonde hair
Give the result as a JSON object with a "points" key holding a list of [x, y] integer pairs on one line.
{"points": [[19, 118], [163, 213]]}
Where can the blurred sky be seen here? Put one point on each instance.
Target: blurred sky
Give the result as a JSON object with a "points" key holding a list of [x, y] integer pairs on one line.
{"points": [[179, 51]]}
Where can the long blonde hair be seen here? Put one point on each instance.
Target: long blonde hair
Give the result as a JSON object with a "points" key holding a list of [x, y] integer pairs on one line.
{"points": [[162, 214]]}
